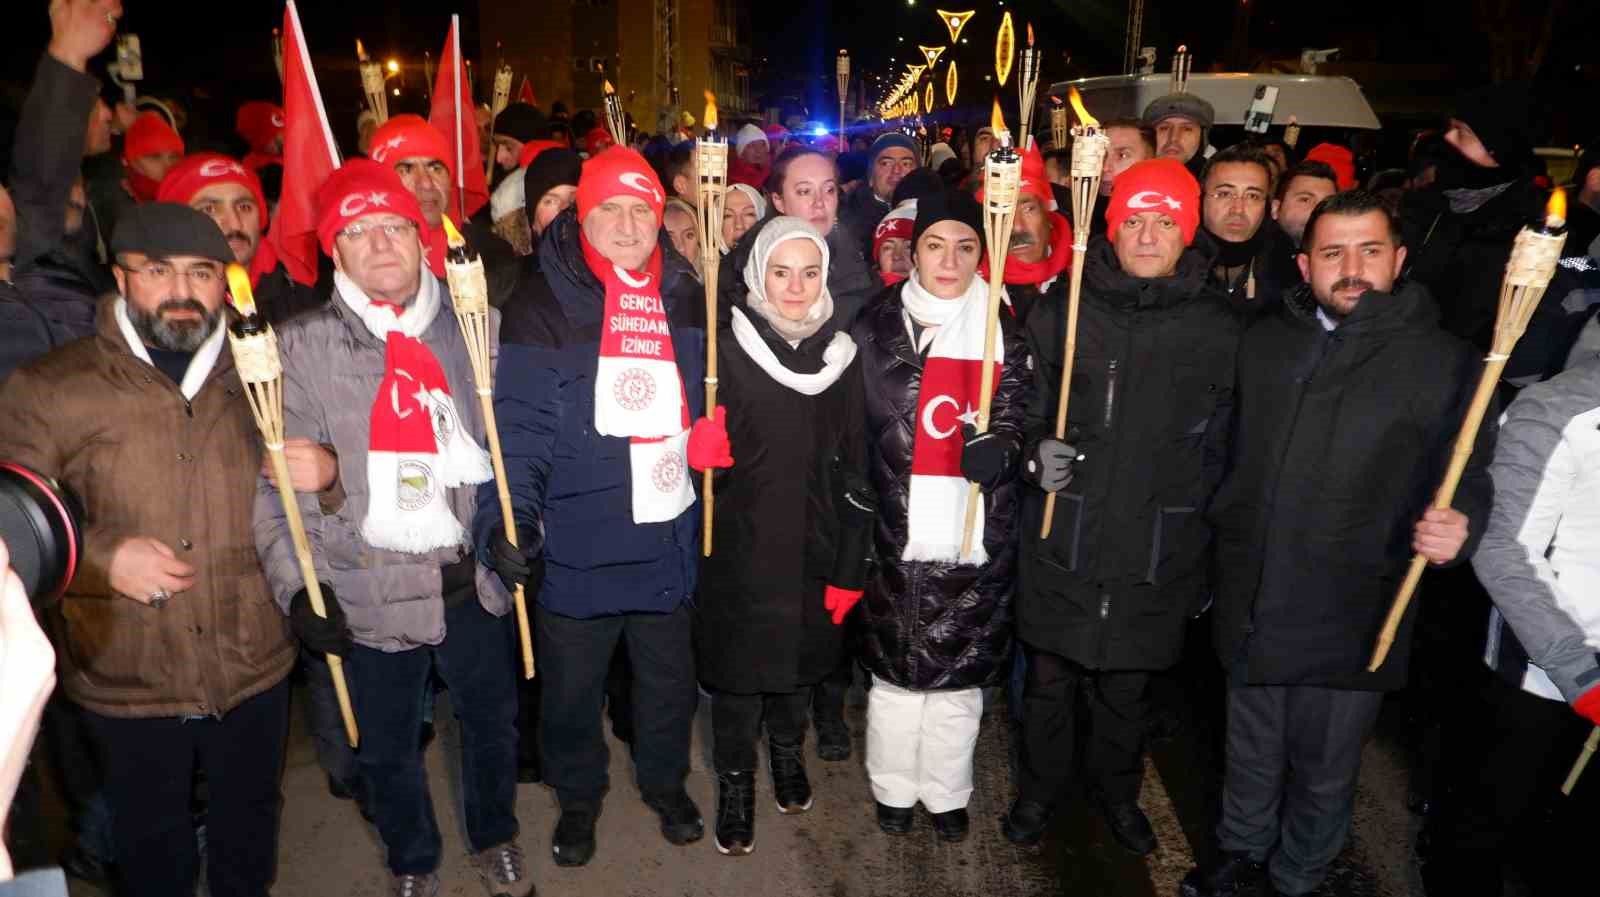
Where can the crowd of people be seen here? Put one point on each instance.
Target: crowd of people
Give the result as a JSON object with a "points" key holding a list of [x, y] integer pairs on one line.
{"points": [[1271, 360]]}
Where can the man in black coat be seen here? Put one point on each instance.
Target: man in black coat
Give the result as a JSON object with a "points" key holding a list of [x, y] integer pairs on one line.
{"points": [[1104, 599], [1237, 186], [1348, 402]]}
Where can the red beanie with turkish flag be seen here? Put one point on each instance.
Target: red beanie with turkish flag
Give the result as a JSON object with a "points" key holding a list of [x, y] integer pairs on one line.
{"points": [[201, 170], [409, 137], [615, 172], [362, 187], [1156, 185], [150, 134], [259, 123]]}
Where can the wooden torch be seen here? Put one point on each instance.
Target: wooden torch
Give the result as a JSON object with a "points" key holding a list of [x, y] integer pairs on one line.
{"points": [[1002, 176], [372, 80], [1534, 254], [616, 119], [255, 356], [469, 295], [711, 168], [1089, 146], [1027, 86]]}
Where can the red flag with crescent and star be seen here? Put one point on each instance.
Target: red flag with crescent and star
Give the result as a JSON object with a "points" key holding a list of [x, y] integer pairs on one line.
{"points": [[453, 115]]}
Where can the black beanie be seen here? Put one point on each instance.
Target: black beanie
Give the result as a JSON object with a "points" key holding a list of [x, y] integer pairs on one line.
{"points": [[551, 168], [948, 205], [522, 123], [1502, 117], [919, 183], [167, 229]]}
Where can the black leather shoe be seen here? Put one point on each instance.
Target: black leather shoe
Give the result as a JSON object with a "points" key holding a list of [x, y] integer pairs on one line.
{"points": [[951, 825], [790, 786], [833, 740], [680, 818], [895, 820], [573, 842], [1024, 826], [1227, 874], [736, 810], [1130, 827]]}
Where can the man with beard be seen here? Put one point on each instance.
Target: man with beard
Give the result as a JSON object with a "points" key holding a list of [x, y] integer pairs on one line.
{"points": [[1103, 601], [229, 193], [893, 156], [1237, 186], [165, 635], [421, 156], [384, 451], [1182, 123], [1349, 400], [1041, 240]]}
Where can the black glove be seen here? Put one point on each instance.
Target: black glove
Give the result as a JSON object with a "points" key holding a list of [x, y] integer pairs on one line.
{"points": [[1049, 464], [324, 635], [857, 501], [987, 459], [517, 566], [458, 582]]}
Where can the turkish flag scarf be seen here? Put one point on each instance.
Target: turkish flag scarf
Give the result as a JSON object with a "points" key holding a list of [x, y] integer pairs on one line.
{"points": [[417, 447], [952, 376], [638, 391]]}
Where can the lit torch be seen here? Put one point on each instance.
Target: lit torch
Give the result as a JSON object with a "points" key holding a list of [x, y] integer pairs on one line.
{"points": [[372, 84], [842, 76], [711, 167], [499, 100], [1181, 63], [1002, 175], [1089, 147], [1027, 85], [260, 369], [469, 296], [1058, 123], [1534, 254], [616, 121]]}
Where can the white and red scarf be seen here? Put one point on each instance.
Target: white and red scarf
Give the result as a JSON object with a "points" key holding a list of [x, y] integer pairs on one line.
{"points": [[952, 377], [638, 392], [418, 446]]}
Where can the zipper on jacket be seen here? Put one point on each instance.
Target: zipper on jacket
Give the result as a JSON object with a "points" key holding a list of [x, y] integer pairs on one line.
{"points": [[1105, 606], [1111, 391]]}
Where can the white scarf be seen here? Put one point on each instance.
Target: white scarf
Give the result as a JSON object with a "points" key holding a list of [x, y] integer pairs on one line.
{"points": [[412, 460], [205, 357], [952, 375], [779, 230], [836, 358]]}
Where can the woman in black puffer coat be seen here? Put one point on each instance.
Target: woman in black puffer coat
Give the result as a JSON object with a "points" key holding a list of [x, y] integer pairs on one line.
{"points": [[936, 627]]}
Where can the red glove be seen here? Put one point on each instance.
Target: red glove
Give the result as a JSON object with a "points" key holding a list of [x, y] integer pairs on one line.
{"points": [[708, 442], [1588, 705], [840, 601]]}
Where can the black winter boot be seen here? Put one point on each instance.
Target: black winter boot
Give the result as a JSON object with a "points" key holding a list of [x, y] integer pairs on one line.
{"points": [[1227, 874], [736, 813], [790, 786]]}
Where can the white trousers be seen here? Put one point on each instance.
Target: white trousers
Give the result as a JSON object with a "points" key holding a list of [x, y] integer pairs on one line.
{"points": [[919, 745]]}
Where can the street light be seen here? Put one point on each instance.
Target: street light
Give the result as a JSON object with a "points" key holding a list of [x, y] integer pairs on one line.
{"points": [[394, 67]]}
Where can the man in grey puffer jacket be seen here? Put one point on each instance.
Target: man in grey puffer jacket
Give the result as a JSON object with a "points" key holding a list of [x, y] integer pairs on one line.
{"points": [[385, 450]]}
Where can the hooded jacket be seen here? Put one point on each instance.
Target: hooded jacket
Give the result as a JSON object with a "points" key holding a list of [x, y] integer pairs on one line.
{"points": [[570, 486], [1152, 390], [927, 625], [1340, 440]]}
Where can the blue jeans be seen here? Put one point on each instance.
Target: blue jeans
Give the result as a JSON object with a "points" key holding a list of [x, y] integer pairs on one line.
{"points": [[389, 690]]}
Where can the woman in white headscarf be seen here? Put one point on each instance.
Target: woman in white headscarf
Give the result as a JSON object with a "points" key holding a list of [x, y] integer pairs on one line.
{"points": [[793, 519], [741, 209]]}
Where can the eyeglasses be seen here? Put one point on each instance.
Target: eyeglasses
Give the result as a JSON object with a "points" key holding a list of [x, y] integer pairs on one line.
{"points": [[200, 276], [1226, 196], [393, 230]]}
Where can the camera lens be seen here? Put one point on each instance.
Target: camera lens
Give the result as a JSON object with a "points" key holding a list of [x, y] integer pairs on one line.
{"points": [[39, 524]]}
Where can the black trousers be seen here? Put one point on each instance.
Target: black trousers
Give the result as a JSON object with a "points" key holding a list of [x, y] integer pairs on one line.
{"points": [[1513, 753], [736, 725], [1289, 785], [574, 660], [827, 698], [150, 766], [1070, 712]]}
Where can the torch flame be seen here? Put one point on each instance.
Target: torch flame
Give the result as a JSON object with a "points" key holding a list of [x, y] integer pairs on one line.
{"points": [[997, 119], [1183, 48], [244, 299], [1555, 211], [361, 52], [1055, 100], [1030, 35], [711, 112], [606, 87], [1084, 117], [452, 235]]}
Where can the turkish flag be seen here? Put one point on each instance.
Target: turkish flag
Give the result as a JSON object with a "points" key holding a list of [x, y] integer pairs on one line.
{"points": [[947, 400], [309, 156], [525, 93], [453, 115]]}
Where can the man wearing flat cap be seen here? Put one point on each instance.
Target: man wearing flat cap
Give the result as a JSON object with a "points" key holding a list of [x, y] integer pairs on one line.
{"points": [[167, 635], [1182, 122]]}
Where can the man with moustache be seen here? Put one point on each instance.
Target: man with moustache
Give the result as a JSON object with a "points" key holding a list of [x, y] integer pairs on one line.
{"points": [[167, 637], [1349, 397], [1182, 123], [1041, 239], [1237, 186], [421, 155]]}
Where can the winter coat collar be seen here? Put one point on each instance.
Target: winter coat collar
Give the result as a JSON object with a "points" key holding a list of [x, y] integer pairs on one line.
{"points": [[113, 343], [1407, 306], [1105, 279], [578, 293]]}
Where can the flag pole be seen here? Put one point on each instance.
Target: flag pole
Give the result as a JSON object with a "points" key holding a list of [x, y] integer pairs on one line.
{"points": [[455, 81]]}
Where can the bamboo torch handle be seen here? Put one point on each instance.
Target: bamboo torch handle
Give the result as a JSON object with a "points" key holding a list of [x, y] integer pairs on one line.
{"points": [[707, 496], [1578, 765], [308, 572], [518, 597], [1459, 456], [1069, 352], [985, 390]]}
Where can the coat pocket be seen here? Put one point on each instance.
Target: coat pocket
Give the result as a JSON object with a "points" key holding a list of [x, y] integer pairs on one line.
{"points": [[1063, 548], [1173, 540]]}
